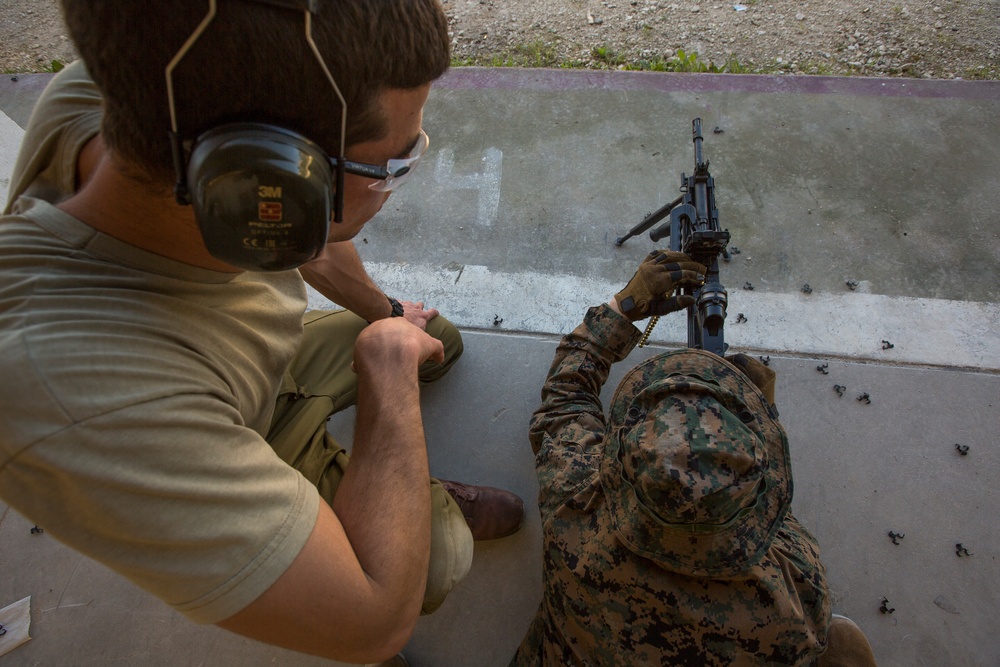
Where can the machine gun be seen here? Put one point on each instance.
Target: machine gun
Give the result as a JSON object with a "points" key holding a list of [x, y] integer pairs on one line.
{"points": [[694, 230]]}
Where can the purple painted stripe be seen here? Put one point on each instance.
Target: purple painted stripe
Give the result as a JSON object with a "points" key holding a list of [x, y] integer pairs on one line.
{"points": [[507, 78], [512, 78], [34, 82]]}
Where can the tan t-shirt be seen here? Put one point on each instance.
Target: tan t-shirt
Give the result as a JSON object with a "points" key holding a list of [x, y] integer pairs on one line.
{"points": [[138, 390]]}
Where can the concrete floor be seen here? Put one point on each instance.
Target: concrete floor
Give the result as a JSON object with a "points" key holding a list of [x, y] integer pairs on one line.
{"points": [[508, 229]]}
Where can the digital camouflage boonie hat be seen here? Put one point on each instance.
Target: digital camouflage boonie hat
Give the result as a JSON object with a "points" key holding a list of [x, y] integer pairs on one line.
{"points": [[696, 469]]}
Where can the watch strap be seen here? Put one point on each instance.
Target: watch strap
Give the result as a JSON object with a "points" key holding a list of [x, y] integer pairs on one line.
{"points": [[397, 307]]}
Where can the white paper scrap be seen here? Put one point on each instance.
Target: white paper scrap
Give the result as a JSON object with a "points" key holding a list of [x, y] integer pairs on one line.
{"points": [[14, 622]]}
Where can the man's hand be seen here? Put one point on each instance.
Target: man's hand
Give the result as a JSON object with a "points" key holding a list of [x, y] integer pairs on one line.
{"points": [[414, 313], [396, 344], [649, 292]]}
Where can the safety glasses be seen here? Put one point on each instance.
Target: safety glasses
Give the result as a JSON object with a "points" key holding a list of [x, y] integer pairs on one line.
{"points": [[396, 171]]}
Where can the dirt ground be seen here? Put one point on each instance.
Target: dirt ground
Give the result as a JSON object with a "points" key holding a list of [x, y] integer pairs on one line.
{"points": [[940, 39]]}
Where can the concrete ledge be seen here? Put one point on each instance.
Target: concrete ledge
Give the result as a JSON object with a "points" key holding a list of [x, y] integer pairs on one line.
{"points": [[933, 332]]}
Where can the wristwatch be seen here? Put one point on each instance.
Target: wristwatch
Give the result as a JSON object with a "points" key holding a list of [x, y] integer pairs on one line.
{"points": [[397, 307]]}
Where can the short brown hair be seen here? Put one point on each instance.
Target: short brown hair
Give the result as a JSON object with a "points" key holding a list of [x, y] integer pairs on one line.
{"points": [[252, 64]]}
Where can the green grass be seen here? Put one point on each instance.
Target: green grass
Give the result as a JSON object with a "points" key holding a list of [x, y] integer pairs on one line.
{"points": [[53, 67], [689, 62], [603, 57], [545, 54], [536, 54], [983, 73]]}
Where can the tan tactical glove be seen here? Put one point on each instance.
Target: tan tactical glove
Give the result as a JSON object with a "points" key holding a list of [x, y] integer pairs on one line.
{"points": [[651, 288], [759, 374]]}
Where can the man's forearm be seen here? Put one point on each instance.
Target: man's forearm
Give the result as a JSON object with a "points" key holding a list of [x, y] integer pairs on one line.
{"points": [[384, 499], [339, 275], [580, 369]]}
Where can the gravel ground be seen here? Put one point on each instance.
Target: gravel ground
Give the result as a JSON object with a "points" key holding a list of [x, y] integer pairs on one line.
{"points": [[938, 39]]}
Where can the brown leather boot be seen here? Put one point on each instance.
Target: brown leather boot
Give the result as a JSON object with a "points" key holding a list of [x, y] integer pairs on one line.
{"points": [[490, 512], [846, 646]]}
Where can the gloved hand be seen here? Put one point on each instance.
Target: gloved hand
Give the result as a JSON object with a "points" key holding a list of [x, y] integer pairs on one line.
{"points": [[759, 374], [651, 288]]}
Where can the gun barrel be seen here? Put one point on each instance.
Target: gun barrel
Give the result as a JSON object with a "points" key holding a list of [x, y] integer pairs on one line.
{"points": [[697, 139]]}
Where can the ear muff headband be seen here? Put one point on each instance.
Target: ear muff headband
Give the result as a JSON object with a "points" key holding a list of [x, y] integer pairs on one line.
{"points": [[261, 194]]}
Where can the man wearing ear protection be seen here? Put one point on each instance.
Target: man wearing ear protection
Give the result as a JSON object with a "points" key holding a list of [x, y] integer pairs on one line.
{"points": [[168, 406], [667, 529]]}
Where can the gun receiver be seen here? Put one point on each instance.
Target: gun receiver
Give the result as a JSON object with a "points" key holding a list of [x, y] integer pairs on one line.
{"points": [[693, 229]]}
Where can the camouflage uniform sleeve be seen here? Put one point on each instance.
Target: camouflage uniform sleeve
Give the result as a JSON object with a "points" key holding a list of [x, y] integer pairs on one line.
{"points": [[567, 430]]}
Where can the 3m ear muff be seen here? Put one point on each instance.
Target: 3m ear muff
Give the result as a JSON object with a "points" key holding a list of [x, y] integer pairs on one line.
{"points": [[262, 195]]}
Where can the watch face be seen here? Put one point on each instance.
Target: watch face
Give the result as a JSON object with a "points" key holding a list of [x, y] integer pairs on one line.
{"points": [[397, 307]]}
